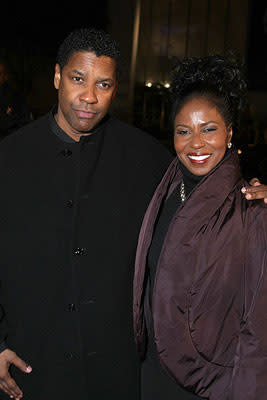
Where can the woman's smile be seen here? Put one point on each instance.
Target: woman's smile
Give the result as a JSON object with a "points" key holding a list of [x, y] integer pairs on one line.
{"points": [[198, 158]]}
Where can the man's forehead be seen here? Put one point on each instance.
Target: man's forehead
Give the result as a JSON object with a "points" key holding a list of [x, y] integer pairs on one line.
{"points": [[83, 60]]}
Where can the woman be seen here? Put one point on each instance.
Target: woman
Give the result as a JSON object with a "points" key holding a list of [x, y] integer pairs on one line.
{"points": [[200, 290]]}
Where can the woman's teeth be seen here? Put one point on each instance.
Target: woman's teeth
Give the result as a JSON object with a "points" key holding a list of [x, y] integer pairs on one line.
{"points": [[199, 158]]}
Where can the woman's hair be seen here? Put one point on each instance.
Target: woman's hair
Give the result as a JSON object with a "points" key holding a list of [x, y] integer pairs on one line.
{"points": [[217, 79]]}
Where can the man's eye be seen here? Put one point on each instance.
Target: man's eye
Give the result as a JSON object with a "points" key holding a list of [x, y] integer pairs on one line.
{"points": [[104, 85], [77, 79]]}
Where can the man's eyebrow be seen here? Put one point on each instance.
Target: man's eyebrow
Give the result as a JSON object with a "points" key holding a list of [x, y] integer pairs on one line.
{"points": [[76, 71], [101, 79]]}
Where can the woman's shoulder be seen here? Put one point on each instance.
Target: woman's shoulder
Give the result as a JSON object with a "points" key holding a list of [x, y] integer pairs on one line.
{"points": [[254, 211]]}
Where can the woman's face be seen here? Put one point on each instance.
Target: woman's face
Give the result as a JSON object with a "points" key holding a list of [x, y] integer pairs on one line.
{"points": [[200, 136]]}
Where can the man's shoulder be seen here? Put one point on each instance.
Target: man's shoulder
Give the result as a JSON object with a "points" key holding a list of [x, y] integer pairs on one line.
{"points": [[127, 130], [143, 153], [137, 138]]}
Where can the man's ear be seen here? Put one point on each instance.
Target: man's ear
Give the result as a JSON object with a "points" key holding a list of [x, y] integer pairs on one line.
{"points": [[57, 76]]}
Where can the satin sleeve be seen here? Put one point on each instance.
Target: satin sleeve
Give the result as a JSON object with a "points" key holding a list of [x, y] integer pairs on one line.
{"points": [[250, 371]]}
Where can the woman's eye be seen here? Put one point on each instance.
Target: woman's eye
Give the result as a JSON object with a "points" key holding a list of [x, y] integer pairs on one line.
{"points": [[207, 130], [182, 132]]}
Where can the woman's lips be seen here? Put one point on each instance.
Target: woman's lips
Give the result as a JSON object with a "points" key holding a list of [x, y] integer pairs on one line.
{"points": [[198, 158]]}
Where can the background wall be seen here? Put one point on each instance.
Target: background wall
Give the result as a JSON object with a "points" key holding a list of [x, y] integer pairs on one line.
{"points": [[178, 28]]}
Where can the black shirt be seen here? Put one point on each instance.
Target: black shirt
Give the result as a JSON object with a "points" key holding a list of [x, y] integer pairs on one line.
{"points": [[156, 383]]}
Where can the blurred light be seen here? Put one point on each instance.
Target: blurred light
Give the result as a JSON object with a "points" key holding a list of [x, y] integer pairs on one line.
{"points": [[167, 85], [149, 84], [239, 151]]}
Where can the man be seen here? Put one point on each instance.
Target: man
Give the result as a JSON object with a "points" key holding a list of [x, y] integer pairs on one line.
{"points": [[75, 186], [13, 109]]}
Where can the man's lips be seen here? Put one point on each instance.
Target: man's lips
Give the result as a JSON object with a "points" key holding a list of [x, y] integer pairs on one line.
{"points": [[198, 158], [85, 114]]}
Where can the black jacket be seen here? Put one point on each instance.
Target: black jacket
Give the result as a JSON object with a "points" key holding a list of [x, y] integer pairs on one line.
{"points": [[69, 222]]}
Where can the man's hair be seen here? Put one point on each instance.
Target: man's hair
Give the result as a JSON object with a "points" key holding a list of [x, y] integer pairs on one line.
{"points": [[88, 40]]}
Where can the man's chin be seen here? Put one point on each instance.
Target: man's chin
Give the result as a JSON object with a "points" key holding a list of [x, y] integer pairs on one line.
{"points": [[85, 129]]}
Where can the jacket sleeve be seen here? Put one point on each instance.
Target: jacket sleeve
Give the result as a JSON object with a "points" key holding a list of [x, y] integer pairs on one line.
{"points": [[3, 346], [3, 330], [250, 372], [3, 320]]}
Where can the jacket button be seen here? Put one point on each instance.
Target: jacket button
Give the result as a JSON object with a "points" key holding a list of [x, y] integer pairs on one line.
{"points": [[71, 307], [70, 203], [79, 251], [66, 152]]}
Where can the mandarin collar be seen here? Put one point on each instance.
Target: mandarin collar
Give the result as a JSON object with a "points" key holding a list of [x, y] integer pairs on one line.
{"points": [[64, 137]]}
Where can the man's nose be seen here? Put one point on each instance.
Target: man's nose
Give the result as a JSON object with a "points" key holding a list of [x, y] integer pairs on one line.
{"points": [[89, 95]]}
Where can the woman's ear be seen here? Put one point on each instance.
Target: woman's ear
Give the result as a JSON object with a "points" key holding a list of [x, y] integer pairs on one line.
{"points": [[229, 135]]}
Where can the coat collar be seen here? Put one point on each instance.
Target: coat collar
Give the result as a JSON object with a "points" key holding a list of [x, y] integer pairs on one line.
{"points": [[213, 189], [64, 142]]}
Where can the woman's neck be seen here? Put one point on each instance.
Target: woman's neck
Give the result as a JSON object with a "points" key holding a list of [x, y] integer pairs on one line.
{"points": [[190, 180]]}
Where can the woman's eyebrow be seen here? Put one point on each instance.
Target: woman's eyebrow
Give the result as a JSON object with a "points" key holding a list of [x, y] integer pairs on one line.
{"points": [[209, 122], [185, 126]]}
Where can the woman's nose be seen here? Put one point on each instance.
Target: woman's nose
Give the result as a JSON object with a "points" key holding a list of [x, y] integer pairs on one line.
{"points": [[197, 141]]}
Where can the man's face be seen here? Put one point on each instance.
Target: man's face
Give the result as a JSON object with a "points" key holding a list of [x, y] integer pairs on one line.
{"points": [[86, 86]]}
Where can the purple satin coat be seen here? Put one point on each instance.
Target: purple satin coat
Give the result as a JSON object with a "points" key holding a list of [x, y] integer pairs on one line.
{"points": [[210, 293]]}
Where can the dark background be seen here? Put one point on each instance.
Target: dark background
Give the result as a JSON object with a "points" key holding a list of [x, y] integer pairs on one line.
{"points": [[29, 38], [257, 45], [45, 24], [29, 34]]}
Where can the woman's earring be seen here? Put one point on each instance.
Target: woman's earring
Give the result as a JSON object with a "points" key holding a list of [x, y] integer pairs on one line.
{"points": [[229, 145]]}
